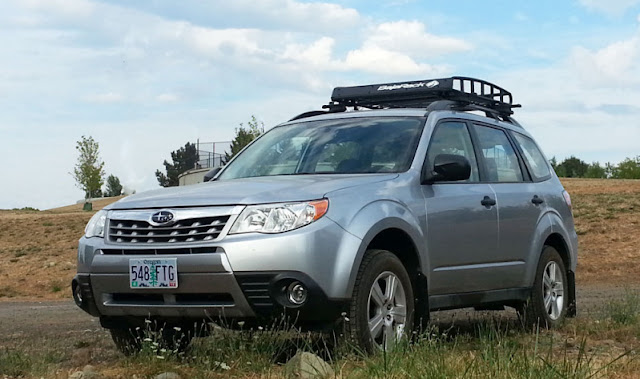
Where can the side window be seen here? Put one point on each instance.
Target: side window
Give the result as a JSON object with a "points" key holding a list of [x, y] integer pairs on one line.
{"points": [[452, 138], [535, 160], [500, 159]]}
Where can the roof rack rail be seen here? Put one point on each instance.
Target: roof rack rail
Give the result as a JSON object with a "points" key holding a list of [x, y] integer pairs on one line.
{"points": [[462, 93]]}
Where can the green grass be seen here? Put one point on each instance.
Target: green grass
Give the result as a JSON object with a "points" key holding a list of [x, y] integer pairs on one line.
{"points": [[17, 363], [625, 311], [473, 348], [26, 209], [484, 349]]}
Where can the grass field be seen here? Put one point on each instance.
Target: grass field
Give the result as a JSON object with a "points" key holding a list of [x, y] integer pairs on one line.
{"points": [[603, 343]]}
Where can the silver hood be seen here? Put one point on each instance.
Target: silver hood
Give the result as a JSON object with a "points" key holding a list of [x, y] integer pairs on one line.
{"points": [[266, 189]]}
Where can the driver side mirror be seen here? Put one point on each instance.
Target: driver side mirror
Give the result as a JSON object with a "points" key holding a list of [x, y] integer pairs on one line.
{"points": [[211, 174], [449, 168]]}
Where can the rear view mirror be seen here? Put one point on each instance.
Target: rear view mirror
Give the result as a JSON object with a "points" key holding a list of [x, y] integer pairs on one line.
{"points": [[449, 168], [211, 174]]}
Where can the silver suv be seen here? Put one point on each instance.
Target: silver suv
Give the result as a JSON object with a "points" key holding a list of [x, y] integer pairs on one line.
{"points": [[396, 200]]}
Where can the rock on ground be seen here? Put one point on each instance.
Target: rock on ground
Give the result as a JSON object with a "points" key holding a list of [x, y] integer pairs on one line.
{"points": [[88, 372], [168, 375], [307, 365]]}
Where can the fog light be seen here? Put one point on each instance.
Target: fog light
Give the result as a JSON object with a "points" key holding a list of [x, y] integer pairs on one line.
{"points": [[297, 293]]}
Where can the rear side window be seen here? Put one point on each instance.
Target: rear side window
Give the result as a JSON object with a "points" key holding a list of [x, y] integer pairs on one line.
{"points": [[453, 138], [535, 160], [499, 156]]}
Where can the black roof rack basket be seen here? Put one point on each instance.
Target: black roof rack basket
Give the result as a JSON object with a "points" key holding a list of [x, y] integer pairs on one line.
{"points": [[460, 93]]}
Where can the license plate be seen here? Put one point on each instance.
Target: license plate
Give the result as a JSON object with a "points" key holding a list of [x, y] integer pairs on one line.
{"points": [[153, 273]]}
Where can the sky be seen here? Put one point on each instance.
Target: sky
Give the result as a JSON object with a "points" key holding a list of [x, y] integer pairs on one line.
{"points": [[145, 77]]}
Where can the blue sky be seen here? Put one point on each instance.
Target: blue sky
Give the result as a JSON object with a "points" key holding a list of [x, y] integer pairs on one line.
{"points": [[145, 77]]}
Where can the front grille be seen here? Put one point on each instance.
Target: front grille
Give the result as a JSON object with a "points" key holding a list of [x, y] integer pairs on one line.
{"points": [[186, 230], [182, 251]]}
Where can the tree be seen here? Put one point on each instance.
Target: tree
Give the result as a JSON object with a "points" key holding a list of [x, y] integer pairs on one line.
{"points": [[185, 158], [628, 169], [572, 167], [553, 162], [244, 136], [610, 170], [89, 169], [114, 188], [594, 170]]}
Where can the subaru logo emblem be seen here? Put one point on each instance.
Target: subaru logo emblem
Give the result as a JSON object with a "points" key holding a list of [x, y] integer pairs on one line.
{"points": [[162, 217]]}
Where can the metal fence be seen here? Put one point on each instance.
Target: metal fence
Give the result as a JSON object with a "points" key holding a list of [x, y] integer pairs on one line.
{"points": [[211, 154]]}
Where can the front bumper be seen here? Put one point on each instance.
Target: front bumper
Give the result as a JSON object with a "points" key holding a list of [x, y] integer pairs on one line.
{"points": [[214, 297], [240, 277]]}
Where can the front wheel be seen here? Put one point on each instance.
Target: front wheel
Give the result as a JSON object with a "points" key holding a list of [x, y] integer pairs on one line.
{"points": [[382, 307], [129, 340], [547, 304]]}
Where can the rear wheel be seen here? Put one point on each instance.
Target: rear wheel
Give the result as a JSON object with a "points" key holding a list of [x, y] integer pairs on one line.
{"points": [[547, 304], [382, 308]]}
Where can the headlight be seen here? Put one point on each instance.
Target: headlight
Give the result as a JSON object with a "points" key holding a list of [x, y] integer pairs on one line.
{"points": [[95, 227], [278, 218]]}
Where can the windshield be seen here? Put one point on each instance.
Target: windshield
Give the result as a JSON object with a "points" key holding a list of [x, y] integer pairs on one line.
{"points": [[343, 146]]}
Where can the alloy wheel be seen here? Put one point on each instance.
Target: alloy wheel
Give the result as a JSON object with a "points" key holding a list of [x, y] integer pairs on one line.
{"points": [[387, 310], [553, 290]]}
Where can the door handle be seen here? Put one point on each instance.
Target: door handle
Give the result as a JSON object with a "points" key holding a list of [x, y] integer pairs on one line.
{"points": [[488, 202], [537, 200]]}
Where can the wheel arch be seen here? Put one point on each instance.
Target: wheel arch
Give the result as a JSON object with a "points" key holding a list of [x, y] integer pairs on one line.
{"points": [[551, 232], [399, 237]]}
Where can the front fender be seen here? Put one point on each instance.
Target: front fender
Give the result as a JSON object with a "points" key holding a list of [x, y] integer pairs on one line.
{"points": [[376, 217]]}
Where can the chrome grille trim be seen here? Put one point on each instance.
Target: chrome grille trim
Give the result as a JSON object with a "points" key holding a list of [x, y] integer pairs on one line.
{"points": [[191, 225]]}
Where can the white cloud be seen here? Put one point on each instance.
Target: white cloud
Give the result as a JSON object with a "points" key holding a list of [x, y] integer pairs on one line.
{"points": [[318, 53], [167, 98], [610, 7], [105, 98], [162, 78], [613, 65], [411, 38], [303, 15], [68, 8], [585, 105], [378, 60], [520, 17]]}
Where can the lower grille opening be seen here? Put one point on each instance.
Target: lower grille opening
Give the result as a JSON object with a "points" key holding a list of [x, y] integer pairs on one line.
{"points": [[204, 298], [137, 298], [210, 299]]}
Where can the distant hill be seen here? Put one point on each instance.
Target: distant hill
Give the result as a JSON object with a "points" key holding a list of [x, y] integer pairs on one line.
{"points": [[97, 205]]}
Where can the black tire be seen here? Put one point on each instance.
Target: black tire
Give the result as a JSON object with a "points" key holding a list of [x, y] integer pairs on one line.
{"points": [[176, 339], [127, 340], [377, 263], [534, 312]]}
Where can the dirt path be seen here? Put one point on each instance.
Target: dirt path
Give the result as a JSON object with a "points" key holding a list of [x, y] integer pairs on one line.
{"points": [[39, 322]]}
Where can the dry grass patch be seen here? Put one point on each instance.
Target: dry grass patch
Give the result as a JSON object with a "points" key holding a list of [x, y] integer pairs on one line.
{"points": [[40, 250], [607, 216]]}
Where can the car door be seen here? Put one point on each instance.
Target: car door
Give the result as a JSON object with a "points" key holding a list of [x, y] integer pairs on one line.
{"points": [[519, 205], [462, 229]]}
